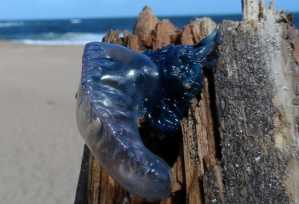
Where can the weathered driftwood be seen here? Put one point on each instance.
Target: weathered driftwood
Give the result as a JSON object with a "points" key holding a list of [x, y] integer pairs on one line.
{"points": [[239, 141], [255, 90]]}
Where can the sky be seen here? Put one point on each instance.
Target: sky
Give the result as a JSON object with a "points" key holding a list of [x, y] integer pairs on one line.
{"points": [[49, 9]]}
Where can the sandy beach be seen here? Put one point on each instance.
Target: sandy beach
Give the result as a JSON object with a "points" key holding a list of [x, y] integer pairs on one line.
{"points": [[40, 149]]}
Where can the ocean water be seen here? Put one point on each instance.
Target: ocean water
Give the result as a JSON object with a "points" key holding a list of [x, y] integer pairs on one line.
{"points": [[81, 31]]}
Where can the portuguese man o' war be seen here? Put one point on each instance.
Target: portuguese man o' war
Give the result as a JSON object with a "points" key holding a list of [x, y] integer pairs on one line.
{"points": [[118, 87]]}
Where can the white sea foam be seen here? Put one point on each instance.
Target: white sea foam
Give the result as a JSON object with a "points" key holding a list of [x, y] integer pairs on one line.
{"points": [[10, 24], [76, 21], [62, 39]]}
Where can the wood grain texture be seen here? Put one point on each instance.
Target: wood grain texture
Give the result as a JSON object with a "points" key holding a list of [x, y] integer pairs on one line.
{"points": [[200, 154], [254, 89]]}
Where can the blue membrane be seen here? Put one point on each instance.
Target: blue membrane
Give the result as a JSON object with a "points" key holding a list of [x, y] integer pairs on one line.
{"points": [[118, 86], [181, 79]]}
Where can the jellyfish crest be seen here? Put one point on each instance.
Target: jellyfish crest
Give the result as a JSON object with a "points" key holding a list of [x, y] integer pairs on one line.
{"points": [[181, 69]]}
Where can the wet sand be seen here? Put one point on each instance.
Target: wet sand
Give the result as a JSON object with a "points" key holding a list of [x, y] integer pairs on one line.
{"points": [[40, 148]]}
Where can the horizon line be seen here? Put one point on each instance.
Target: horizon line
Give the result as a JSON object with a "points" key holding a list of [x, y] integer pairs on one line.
{"points": [[130, 16], [115, 17]]}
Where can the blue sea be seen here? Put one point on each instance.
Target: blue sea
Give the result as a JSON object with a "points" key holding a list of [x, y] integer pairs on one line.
{"points": [[80, 31]]}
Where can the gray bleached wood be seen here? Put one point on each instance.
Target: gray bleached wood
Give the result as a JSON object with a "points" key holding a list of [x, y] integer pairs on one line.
{"points": [[254, 90]]}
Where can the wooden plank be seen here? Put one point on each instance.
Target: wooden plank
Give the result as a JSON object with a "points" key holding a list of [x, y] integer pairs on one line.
{"points": [[82, 187], [257, 118], [200, 153]]}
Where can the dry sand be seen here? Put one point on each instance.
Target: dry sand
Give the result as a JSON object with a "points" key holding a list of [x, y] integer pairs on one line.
{"points": [[40, 147]]}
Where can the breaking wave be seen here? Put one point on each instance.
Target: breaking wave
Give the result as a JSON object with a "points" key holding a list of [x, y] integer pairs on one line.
{"points": [[61, 39]]}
